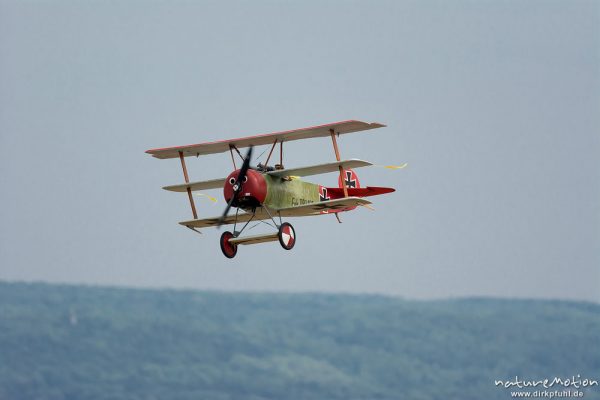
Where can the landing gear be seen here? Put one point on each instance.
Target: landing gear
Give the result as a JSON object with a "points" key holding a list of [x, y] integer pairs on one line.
{"points": [[228, 249], [286, 236], [284, 233]]}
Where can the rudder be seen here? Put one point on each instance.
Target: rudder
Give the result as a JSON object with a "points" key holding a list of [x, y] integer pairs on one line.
{"points": [[351, 179]]}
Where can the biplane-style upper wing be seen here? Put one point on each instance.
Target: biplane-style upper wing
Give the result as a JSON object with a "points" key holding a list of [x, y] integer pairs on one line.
{"points": [[269, 138], [320, 168], [304, 210], [200, 185]]}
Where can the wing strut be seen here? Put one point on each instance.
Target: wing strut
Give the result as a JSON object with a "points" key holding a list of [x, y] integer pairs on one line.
{"points": [[270, 152], [187, 180], [237, 151], [232, 159], [281, 153], [337, 156]]}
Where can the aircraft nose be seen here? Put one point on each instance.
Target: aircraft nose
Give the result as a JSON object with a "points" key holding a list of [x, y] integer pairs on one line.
{"points": [[254, 188]]}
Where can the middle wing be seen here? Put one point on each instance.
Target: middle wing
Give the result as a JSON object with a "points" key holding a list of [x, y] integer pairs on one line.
{"points": [[320, 168], [301, 171], [200, 185]]}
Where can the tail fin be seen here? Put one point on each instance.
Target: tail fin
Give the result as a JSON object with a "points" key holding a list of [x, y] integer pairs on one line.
{"points": [[354, 188], [351, 179], [352, 182]]}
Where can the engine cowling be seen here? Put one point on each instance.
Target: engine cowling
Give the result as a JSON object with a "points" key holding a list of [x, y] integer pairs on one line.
{"points": [[254, 189]]}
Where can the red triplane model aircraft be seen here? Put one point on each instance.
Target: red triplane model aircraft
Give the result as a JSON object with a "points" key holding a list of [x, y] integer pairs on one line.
{"points": [[268, 192]]}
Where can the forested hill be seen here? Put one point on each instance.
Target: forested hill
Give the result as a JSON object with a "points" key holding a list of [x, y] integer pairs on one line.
{"points": [[77, 342]]}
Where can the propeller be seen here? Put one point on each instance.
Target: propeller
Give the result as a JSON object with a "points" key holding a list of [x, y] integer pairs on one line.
{"points": [[237, 186]]}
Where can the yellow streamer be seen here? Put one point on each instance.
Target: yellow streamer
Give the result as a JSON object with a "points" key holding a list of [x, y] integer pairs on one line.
{"points": [[395, 166], [207, 196]]}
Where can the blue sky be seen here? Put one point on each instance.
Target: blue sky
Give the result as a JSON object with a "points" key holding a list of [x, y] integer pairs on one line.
{"points": [[494, 105]]}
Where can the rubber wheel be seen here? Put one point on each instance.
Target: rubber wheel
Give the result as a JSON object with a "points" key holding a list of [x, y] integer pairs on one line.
{"points": [[228, 249], [287, 236]]}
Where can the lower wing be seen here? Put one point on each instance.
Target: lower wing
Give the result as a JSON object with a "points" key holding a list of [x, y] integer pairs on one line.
{"points": [[304, 210]]}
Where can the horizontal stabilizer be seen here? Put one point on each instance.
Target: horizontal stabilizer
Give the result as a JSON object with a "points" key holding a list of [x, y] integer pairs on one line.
{"points": [[359, 192], [320, 168]]}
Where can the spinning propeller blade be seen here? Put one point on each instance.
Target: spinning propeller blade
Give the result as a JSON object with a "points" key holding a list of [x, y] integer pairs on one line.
{"points": [[237, 186]]}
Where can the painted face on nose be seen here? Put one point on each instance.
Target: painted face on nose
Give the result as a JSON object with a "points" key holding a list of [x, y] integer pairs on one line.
{"points": [[253, 192]]}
